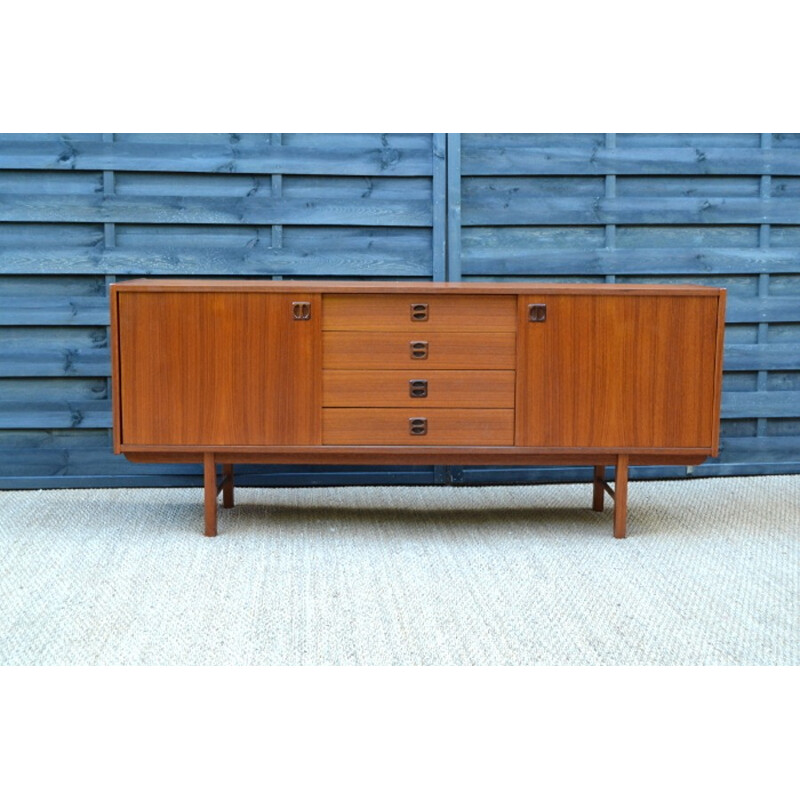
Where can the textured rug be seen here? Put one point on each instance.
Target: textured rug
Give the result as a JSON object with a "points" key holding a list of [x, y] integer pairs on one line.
{"points": [[709, 574]]}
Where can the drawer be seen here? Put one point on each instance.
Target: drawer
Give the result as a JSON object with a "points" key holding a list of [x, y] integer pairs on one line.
{"points": [[410, 426], [434, 350], [449, 388], [418, 312]]}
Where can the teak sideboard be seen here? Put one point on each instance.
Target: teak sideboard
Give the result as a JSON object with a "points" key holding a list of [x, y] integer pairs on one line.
{"points": [[300, 372]]}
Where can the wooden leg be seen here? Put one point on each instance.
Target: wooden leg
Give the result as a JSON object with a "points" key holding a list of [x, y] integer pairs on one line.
{"points": [[210, 493], [227, 485], [621, 497], [599, 489]]}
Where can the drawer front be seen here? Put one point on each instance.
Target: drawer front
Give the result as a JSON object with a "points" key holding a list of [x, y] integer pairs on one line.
{"points": [[411, 426], [418, 388], [439, 350], [417, 313]]}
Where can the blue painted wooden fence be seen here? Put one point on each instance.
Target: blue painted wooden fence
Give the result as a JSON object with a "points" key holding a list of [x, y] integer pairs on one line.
{"points": [[716, 209], [80, 211]]}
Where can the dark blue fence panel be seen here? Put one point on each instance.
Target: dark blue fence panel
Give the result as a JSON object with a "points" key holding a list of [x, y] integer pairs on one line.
{"points": [[78, 212], [716, 209], [82, 210]]}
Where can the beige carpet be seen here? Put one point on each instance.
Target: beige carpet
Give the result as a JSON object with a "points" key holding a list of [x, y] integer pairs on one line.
{"points": [[710, 574]]}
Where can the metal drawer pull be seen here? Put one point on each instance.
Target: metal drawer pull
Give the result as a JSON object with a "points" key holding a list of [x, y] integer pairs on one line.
{"points": [[417, 426], [418, 349], [418, 388], [301, 310], [537, 312], [419, 312]]}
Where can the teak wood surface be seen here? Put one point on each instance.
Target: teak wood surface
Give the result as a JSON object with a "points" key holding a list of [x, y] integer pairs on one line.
{"points": [[466, 427], [392, 350], [414, 288], [390, 312], [608, 372], [319, 372], [217, 369], [444, 388]]}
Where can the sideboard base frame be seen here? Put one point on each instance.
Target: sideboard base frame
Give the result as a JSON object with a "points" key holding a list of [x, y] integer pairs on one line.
{"points": [[214, 484]]}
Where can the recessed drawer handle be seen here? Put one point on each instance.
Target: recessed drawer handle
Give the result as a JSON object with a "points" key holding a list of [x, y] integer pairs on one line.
{"points": [[301, 310], [419, 312], [417, 426], [418, 349], [418, 388]]}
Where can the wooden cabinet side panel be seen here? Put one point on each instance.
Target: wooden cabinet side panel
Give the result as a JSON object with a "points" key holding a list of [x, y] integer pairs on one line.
{"points": [[618, 371], [218, 369], [116, 414], [717, 400]]}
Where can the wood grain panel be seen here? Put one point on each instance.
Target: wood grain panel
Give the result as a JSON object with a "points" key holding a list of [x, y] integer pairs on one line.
{"points": [[390, 426], [372, 312], [390, 350], [618, 371], [218, 369], [445, 388]]}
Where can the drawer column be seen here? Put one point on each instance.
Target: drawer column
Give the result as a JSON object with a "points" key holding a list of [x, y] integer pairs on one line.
{"points": [[419, 369]]}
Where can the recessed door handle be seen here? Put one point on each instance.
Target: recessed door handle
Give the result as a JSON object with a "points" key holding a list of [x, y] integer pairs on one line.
{"points": [[537, 312], [301, 310]]}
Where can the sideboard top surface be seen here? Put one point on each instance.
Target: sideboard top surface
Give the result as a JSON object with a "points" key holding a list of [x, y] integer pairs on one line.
{"points": [[406, 287]]}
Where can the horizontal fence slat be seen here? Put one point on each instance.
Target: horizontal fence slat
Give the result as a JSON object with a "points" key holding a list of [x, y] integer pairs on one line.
{"points": [[64, 390], [192, 477], [315, 261], [760, 404], [520, 160], [84, 414], [746, 357], [75, 461], [97, 464], [762, 309], [761, 448], [633, 261], [191, 210], [55, 362], [740, 468], [215, 158], [259, 260], [43, 310], [511, 209]]}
